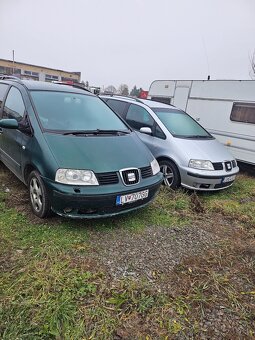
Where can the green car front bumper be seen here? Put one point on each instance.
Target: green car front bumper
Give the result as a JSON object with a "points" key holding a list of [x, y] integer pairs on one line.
{"points": [[98, 201]]}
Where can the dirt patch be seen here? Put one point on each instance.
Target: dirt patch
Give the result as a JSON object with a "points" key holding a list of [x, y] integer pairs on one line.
{"points": [[16, 191], [219, 289], [17, 197]]}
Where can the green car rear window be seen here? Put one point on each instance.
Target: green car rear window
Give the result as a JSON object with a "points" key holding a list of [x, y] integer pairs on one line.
{"points": [[65, 111]]}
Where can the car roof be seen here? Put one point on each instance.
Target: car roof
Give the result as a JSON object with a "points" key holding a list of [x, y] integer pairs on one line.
{"points": [[153, 104], [46, 86], [119, 97], [148, 102]]}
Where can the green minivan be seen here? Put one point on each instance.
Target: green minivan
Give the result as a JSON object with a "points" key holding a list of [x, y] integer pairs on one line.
{"points": [[76, 156]]}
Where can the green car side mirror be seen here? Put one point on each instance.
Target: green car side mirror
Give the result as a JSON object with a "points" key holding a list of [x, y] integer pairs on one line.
{"points": [[9, 123]]}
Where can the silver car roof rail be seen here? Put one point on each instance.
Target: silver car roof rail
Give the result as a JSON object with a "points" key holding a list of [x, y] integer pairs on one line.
{"points": [[6, 76], [120, 96]]}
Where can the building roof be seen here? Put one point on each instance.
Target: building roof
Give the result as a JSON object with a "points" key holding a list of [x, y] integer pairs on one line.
{"points": [[43, 67]]}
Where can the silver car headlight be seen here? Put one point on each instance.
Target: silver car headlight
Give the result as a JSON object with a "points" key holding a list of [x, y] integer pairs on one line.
{"points": [[155, 167], [201, 164], [76, 177]]}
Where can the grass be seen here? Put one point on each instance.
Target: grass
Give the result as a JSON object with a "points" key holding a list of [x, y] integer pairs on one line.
{"points": [[51, 289], [238, 202], [169, 208]]}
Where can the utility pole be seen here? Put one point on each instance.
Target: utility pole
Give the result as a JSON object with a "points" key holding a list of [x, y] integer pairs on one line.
{"points": [[12, 61]]}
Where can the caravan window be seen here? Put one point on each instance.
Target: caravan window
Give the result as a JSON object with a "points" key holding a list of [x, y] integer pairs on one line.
{"points": [[243, 112]]}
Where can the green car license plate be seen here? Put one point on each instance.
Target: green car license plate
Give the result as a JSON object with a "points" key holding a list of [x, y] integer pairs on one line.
{"points": [[129, 198]]}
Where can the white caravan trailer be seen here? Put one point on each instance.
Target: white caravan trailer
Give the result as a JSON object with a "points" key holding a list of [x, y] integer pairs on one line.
{"points": [[226, 108]]}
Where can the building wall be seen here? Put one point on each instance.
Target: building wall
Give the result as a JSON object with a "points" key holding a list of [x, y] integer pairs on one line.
{"points": [[37, 72]]}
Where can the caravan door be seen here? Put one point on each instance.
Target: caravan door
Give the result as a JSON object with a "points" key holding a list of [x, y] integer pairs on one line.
{"points": [[181, 94], [181, 97]]}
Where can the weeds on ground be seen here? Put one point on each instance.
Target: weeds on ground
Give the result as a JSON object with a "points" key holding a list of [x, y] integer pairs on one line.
{"points": [[169, 208], [237, 202]]}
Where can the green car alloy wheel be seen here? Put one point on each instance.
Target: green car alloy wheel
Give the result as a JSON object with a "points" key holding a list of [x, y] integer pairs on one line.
{"points": [[38, 195]]}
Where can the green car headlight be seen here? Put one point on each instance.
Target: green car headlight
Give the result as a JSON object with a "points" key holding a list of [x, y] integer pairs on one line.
{"points": [[76, 177], [155, 167]]}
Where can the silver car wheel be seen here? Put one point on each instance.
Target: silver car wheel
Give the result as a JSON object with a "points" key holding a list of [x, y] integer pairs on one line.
{"points": [[36, 194], [167, 175]]}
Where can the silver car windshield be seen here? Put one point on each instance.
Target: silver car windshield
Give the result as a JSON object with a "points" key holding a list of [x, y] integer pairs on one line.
{"points": [[73, 112], [180, 124]]}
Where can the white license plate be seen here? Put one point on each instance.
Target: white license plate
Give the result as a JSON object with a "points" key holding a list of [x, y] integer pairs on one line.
{"points": [[123, 199], [229, 179]]}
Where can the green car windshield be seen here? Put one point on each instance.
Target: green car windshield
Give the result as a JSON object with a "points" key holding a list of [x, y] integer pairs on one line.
{"points": [[180, 124], [65, 111]]}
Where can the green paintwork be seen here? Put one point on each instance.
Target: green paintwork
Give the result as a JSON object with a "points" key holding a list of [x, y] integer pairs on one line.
{"points": [[9, 123], [98, 153]]}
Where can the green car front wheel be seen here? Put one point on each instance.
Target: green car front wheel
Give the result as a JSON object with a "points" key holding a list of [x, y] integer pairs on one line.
{"points": [[39, 198]]}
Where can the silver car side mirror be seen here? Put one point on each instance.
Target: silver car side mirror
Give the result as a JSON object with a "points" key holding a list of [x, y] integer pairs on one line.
{"points": [[146, 130]]}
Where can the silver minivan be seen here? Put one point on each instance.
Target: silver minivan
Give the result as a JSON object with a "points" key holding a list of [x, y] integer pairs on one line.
{"points": [[188, 155]]}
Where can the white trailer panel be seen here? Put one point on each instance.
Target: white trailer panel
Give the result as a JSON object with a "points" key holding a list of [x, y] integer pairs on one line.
{"points": [[163, 87], [241, 90]]}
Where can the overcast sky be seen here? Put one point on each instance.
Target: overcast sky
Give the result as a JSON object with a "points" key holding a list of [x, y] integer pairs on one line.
{"points": [[132, 41]]}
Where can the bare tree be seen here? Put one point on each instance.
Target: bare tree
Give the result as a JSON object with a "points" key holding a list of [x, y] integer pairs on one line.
{"points": [[252, 60], [123, 90], [110, 89]]}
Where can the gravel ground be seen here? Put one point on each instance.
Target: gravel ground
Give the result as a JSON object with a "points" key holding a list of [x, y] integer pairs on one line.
{"points": [[218, 323], [149, 252]]}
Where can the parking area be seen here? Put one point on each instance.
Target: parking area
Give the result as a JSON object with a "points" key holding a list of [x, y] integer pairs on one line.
{"points": [[182, 267]]}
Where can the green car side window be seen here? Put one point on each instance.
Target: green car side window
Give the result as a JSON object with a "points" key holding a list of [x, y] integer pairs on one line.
{"points": [[14, 106]]}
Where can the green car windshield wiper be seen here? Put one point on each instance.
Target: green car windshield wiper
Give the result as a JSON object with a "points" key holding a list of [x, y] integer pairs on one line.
{"points": [[96, 132]]}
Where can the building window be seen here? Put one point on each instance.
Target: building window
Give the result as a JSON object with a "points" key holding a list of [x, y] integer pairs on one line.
{"points": [[69, 79], [243, 112], [30, 73], [6, 70], [10, 70], [50, 77], [17, 71]]}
